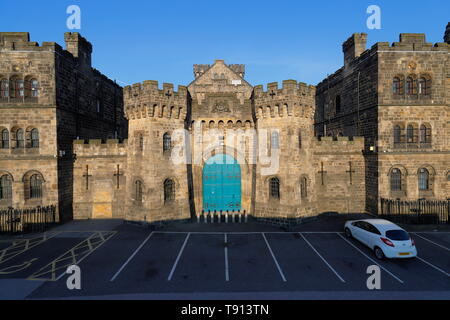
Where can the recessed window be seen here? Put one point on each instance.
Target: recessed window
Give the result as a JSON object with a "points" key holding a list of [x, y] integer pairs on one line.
{"points": [[167, 142], [338, 104], [304, 188], [35, 187], [169, 191], [424, 180], [138, 191], [397, 134], [4, 88], [35, 138], [275, 140], [396, 180], [4, 142], [274, 188], [396, 86], [409, 86], [5, 187], [20, 139]]}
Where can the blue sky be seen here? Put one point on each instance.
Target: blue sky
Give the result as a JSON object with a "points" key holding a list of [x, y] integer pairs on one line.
{"points": [[138, 40]]}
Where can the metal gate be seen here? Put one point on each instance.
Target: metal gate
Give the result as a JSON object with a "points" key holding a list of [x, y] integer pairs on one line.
{"points": [[221, 184]]}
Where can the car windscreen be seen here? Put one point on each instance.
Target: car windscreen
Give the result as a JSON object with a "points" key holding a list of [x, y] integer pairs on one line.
{"points": [[397, 235]]}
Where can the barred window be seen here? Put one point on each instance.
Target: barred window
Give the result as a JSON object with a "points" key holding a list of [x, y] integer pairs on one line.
{"points": [[4, 143], [396, 180], [304, 188], [275, 140], [396, 86], [397, 134], [5, 187], [17, 88], [4, 88], [169, 191], [409, 86], [274, 188], [410, 136], [138, 191], [35, 187], [35, 138], [425, 134], [20, 139], [34, 88], [167, 142], [424, 180]]}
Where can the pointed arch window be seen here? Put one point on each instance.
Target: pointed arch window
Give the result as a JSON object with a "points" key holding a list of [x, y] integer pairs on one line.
{"points": [[274, 188], [4, 142], [424, 179], [169, 191], [5, 187], [396, 180]]}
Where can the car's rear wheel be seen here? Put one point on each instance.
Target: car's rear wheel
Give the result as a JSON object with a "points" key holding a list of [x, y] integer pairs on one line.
{"points": [[348, 233], [379, 253]]}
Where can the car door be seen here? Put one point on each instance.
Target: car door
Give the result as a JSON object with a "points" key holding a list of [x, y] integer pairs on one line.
{"points": [[357, 229], [373, 235], [365, 233]]}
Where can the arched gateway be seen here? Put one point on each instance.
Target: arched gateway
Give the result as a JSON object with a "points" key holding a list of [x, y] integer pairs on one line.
{"points": [[221, 184]]}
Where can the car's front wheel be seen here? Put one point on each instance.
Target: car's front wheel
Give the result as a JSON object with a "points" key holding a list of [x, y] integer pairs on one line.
{"points": [[379, 253], [348, 233]]}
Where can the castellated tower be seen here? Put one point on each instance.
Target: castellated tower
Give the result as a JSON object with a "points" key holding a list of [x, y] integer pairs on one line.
{"points": [[157, 169], [284, 120]]}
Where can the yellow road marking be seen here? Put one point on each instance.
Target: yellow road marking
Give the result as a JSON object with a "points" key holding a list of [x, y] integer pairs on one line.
{"points": [[23, 245], [73, 256], [20, 267]]}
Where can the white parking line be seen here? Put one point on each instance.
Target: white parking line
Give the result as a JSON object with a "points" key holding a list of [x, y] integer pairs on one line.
{"points": [[323, 259], [227, 274], [274, 259], [131, 257], [436, 244], [178, 257], [433, 266], [268, 232], [390, 273]]}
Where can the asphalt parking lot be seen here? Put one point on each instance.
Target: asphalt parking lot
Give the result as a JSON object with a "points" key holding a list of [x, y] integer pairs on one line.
{"points": [[128, 260]]}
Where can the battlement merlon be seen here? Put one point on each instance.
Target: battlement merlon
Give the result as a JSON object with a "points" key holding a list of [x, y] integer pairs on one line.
{"points": [[353, 47], [149, 92], [290, 89], [94, 147]]}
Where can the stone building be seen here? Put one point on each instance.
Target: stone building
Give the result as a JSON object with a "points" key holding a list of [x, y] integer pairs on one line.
{"points": [[50, 96], [377, 128], [397, 97], [219, 145]]}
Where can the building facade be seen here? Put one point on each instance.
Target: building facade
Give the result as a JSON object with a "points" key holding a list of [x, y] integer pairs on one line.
{"points": [[377, 128], [50, 96]]}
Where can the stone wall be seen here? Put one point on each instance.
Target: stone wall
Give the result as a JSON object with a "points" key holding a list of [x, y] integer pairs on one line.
{"points": [[100, 179]]}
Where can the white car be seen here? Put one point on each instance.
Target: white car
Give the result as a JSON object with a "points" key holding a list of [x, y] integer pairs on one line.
{"points": [[385, 238]]}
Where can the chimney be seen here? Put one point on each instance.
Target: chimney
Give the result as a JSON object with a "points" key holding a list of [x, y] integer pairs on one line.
{"points": [[353, 47]]}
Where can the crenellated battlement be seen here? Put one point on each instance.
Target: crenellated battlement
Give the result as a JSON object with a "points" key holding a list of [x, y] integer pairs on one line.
{"points": [[96, 147], [338, 144], [146, 100], [292, 99]]}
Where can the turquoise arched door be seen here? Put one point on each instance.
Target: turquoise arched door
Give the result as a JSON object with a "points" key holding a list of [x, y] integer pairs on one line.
{"points": [[221, 184]]}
